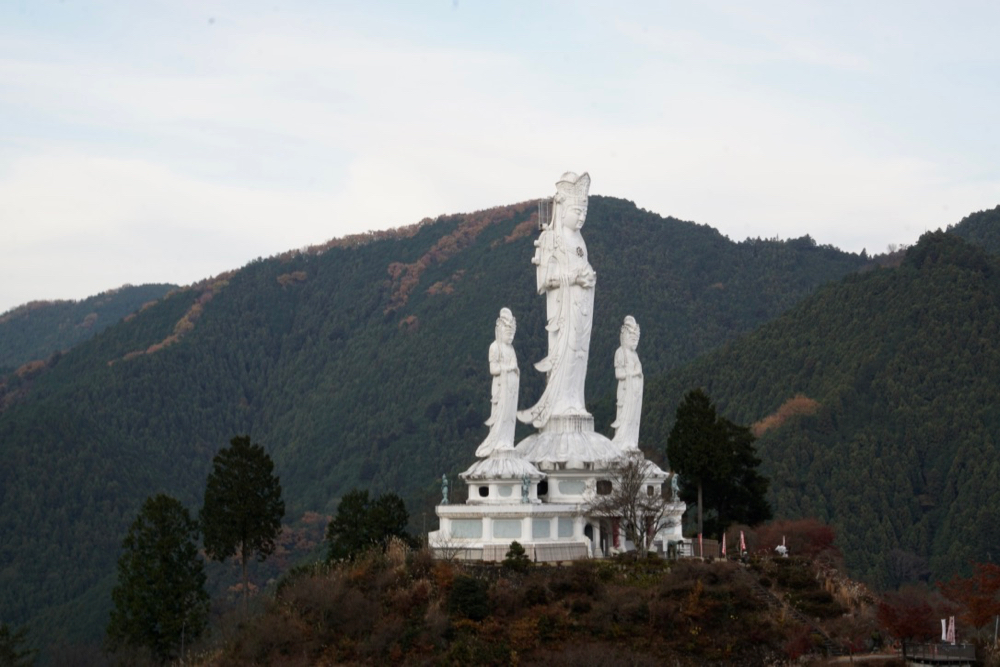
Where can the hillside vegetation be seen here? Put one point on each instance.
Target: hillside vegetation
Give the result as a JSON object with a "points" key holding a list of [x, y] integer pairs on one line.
{"points": [[406, 608], [359, 363], [36, 330], [876, 400]]}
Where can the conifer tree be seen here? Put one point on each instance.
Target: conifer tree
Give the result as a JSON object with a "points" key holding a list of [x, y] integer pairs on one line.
{"points": [[160, 599], [718, 464], [243, 508], [694, 446], [362, 523]]}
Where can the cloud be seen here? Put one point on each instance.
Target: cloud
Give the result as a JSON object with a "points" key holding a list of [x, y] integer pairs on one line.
{"points": [[205, 145]]}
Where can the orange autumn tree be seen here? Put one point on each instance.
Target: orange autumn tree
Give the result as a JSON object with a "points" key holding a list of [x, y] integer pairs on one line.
{"points": [[908, 614], [978, 595]]}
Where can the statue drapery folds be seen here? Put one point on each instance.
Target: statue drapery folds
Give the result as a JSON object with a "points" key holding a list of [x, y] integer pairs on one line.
{"points": [[506, 381], [628, 371], [567, 280]]}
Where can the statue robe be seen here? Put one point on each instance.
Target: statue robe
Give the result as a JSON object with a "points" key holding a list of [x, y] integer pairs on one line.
{"points": [[628, 370], [503, 410], [567, 279]]}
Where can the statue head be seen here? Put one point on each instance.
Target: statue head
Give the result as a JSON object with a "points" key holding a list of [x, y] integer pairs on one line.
{"points": [[506, 326], [571, 199], [630, 333]]}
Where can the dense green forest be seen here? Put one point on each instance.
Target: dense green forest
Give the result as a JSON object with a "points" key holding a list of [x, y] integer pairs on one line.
{"points": [[38, 329], [876, 400], [981, 228], [357, 364]]}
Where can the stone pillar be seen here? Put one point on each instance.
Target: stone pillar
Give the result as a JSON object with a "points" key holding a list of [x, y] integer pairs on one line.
{"points": [[487, 529]]}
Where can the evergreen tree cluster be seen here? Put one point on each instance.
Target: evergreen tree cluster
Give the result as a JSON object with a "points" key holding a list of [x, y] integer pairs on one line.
{"points": [[160, 601], [717, 463], [899, 449], [364, 523]]}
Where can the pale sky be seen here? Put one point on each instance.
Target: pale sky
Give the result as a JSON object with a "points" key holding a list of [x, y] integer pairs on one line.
{"points": [[170, 140]]}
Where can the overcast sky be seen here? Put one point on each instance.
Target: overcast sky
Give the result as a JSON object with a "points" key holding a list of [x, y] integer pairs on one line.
{"points": [[167, 141]]}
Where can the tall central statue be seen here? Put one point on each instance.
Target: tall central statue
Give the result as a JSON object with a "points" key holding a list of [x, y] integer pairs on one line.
{"points": [[567, 280]]}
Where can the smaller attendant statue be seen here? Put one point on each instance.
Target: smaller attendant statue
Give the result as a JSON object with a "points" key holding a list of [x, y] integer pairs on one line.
{"points": [[444, 489], [506, 380], [525, 487], [628, 370], [675, 487]]}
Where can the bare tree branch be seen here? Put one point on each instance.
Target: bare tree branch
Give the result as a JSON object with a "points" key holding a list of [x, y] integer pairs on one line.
{"points": [[637, 498]]}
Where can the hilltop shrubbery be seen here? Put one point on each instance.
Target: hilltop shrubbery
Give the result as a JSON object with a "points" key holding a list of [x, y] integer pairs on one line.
{"points": [[405, 607]]}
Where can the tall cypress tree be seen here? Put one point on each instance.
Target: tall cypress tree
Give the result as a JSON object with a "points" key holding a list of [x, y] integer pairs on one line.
{"points": [[694, 445], [243, 508], [718, 463]]}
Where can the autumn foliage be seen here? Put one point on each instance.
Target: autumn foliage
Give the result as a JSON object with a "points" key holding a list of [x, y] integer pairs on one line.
{"points": [[287, 279], [978, 596], [404, 278], [208, 288], [407, 608], [446, 286], [800, 404], [526, 228], [908, 614], [810, 538]]}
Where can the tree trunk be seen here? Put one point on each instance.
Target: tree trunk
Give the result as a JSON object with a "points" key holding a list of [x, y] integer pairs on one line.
{"points": [[246, 586], [700, 525]]}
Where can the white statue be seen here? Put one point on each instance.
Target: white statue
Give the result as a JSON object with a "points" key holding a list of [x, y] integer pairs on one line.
{"points": [[566, 278], [506, 380], [628, 370]]}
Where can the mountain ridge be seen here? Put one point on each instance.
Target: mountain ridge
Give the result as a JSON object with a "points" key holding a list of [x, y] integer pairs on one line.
{"points": [[34, 331]]}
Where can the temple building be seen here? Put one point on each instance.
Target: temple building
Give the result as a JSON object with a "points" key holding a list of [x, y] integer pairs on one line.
{"points": [[565, 492]]}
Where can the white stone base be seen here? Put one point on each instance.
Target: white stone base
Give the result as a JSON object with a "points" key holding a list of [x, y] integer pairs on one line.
{"points": [[548, 532]]}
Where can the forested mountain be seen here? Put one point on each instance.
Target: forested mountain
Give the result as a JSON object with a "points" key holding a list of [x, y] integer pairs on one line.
{"points": [[359, 363], [981, 228], [38, 329], [878, 403]]}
